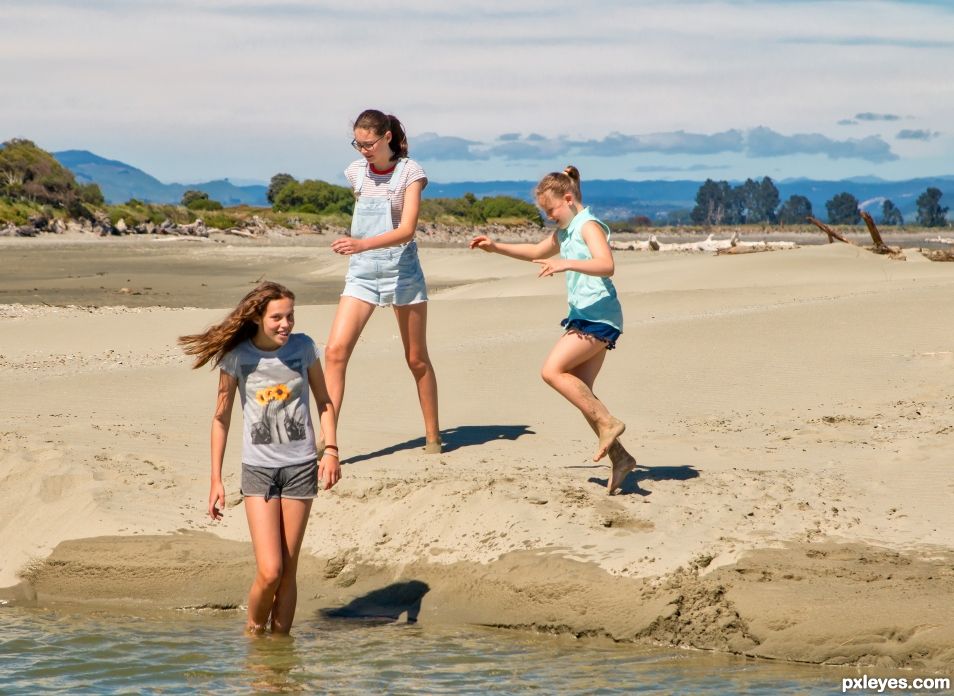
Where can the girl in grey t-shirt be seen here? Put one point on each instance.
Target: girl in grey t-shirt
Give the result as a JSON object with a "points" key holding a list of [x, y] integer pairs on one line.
{"points": [[273, 370]]}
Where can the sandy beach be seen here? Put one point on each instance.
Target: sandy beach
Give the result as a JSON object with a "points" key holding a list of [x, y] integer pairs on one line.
{"points": [[792, 413]]}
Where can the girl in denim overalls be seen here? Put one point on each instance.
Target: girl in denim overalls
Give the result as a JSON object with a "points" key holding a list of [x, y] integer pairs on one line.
{"points": [[595, 318], [383, 268]]}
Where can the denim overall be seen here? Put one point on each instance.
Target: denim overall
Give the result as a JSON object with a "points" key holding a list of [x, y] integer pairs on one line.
{"points": [[391, 275]]}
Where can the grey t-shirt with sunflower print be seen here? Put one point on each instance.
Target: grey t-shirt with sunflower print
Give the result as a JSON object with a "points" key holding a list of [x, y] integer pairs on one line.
{"points": [[274, 389]]}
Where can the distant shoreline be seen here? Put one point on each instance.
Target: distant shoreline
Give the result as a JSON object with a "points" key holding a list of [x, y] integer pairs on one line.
{"points": [[442, 236]]}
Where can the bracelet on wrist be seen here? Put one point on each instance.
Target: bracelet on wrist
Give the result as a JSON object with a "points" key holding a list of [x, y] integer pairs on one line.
{"points": [[331, 454]]}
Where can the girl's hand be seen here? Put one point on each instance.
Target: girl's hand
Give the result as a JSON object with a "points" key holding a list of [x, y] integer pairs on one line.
{"points": [[329, 471], [483, 243], [216, 501], [348, 245], [550, 266]]}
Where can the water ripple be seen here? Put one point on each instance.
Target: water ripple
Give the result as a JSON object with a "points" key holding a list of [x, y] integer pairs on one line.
{"points": [[58, 651]]}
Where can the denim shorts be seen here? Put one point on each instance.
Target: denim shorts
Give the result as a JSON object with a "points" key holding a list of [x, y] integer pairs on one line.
{"points": [[597, 329], [296, 481], [383, 277]]}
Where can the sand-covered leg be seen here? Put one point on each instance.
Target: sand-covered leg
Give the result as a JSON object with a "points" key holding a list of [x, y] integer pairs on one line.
{"points": [[571, 368]]}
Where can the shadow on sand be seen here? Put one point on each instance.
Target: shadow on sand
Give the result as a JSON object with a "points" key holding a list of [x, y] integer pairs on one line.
{"points": [[384, 605], [630, 485], [454, 439]]}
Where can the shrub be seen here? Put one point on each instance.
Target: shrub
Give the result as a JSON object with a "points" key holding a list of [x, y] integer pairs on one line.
{"points": [[203, 204], [221, 221], [91, 194], [313, 196], [472, 210]]}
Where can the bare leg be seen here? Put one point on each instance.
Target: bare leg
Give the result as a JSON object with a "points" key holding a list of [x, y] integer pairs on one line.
{"points": [[350, 319], [412, 321], [623, 461], [294, 520], [264, 524], [570, 352]]}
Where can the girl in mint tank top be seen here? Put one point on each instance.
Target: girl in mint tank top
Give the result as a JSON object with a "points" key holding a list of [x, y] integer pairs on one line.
{"points": [[594, 320]]}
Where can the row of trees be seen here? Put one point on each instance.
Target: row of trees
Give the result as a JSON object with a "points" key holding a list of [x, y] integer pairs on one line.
{"points": [[719, 203], [287, 194], [844, 209]]}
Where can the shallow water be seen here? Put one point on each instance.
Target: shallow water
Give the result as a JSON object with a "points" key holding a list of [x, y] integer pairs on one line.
{"points": [[73, 651]]}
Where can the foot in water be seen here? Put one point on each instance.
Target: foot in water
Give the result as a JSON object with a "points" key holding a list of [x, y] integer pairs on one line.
{"points": [[608, 434], [621, 466]]}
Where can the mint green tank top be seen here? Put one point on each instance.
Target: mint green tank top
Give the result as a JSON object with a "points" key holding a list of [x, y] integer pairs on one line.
{"points": [[590, 298]]}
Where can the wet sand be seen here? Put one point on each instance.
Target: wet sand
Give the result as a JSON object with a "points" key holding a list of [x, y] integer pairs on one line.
{"points": [[160, 271]]}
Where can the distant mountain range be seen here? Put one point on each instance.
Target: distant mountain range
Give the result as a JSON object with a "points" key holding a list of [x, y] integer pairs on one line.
{"points": [[120, 181], [610, 198]]}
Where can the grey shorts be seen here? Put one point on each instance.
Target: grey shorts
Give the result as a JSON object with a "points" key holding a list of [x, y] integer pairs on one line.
{"points": [[296, 481], [383, 277]]}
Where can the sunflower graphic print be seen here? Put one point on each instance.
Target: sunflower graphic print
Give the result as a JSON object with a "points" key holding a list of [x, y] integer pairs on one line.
{"points": [[277, 424], [274, 390]]}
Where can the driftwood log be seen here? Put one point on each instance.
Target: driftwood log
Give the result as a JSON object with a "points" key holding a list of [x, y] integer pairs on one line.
{"points": [[734, 245], [879, 246], [832, 234], [938, 254]]}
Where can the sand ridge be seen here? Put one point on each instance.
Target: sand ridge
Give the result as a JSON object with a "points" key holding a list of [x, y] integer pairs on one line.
{"points": [[825, 603]]}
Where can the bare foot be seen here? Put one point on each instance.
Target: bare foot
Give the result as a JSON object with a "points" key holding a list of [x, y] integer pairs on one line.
{"points": [[608, 434], [433, 446], [620, 468]]}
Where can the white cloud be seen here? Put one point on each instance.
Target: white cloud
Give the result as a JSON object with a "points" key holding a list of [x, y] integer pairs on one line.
{"points": [[757, 142], [200, 87]]}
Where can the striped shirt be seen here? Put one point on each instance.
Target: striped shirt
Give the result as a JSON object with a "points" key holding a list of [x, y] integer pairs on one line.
{"points": [[376, 185]]}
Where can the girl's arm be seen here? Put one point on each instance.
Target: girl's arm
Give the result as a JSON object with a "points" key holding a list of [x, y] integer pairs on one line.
{"points": [[404, 232], [220, 435], [600, 265], [543, 249], [329, 468]]}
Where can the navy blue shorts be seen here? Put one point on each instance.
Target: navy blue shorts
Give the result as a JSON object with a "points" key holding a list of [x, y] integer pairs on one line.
{"points": [[597, 329]]}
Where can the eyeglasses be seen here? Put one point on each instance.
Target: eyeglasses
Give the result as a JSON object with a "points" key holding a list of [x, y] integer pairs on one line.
{"points": [[365, 146]]}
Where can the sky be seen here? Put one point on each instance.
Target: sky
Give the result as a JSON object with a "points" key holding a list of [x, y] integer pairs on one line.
{"points": [[194, 90]]}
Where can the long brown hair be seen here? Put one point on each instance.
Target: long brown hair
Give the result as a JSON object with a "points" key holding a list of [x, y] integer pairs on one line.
{"points": [[561, 183], [213, 344], [380, 123]]}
